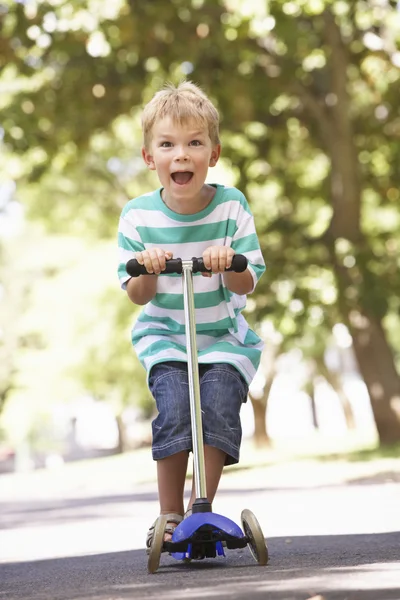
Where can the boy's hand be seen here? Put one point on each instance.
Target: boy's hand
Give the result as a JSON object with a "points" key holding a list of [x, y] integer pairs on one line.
{"points": [[153, 259], [217, 258]]}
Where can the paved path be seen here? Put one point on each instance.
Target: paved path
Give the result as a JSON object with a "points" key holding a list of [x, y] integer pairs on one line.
{"points": [[327, 537]]}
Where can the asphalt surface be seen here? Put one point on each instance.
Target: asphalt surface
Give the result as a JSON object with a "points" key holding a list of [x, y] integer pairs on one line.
{"points": [[328, 539]]}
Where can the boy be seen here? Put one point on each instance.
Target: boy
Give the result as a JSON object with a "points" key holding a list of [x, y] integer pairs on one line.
{"points": [[184, 218]]}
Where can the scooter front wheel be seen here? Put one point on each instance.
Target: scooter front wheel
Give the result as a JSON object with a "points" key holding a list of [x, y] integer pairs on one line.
{"points": [[157, 544], [255, 537]]}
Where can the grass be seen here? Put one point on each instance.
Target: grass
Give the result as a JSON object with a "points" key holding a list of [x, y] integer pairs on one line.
{"points": [[316, 460], [367, 454], [352, 453]]}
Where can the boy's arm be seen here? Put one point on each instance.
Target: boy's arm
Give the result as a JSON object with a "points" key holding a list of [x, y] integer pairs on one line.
{"points": [[239, 283], [142, 289], [245, 241], [219, 258]]}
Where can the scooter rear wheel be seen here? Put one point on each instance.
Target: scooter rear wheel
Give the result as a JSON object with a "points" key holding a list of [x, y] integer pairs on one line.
{"points": [[157, 544], [255, 536]]}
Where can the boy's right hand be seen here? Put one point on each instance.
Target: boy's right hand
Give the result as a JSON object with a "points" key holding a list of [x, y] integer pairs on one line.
{"points": [[153, 259]]}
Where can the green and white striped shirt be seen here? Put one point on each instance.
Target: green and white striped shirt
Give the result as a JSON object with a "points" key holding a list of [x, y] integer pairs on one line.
{"points": [[223, 335]]}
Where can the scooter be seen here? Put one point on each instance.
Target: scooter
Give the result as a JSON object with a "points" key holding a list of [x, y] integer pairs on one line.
{"points": [[203, 534]]}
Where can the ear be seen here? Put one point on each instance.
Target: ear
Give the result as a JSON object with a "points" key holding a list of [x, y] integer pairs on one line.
{"points": [[215, 154], [148, 159]]}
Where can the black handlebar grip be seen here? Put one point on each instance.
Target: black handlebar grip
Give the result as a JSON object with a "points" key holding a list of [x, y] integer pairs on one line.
{"points": [[174, 265], [134, 269], [239, 264]]}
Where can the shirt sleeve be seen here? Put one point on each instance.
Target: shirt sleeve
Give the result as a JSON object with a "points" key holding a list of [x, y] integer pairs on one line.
{"points": [[245, 241], [129, 242]]}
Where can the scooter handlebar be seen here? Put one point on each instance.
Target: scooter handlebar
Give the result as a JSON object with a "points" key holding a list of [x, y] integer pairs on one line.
{"points": [[174, 265]]}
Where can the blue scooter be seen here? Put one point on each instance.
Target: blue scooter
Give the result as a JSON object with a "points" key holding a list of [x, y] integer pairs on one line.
{"points": [[203, 534]]}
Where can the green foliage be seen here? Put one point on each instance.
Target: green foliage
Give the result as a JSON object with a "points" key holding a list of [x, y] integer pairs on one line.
{"points": [[308, 96], [111, 370]]}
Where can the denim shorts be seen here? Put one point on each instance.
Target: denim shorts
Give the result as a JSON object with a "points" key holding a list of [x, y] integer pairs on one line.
{"points": [[222, 392]]}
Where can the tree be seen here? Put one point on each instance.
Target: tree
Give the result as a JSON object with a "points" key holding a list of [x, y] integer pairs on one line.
{"points": [[338, 131], [111, 371], [308, 94], [260, 390], [14, 291]]}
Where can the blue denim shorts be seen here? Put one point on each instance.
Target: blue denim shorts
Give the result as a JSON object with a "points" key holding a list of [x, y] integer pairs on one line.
{"points": [[222, 392]]}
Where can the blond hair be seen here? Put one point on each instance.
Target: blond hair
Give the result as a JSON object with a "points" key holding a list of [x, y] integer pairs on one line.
{"points": [[182, 103]]}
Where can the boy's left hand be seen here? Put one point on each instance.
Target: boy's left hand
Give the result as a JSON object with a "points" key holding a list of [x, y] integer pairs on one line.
{"points": [[217, 259]]}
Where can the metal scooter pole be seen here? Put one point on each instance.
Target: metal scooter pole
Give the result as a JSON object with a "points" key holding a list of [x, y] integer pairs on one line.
{"points": [[201, 504]]}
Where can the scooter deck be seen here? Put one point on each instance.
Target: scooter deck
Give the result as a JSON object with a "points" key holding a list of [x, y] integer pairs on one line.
{"points": [[201, 535]]}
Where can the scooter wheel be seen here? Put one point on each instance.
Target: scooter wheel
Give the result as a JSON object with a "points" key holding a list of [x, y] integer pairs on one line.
{"points": [[255, 537], [157, 544]]}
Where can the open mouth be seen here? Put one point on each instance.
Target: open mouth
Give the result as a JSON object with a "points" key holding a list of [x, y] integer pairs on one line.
{"points": [[182, 177]]}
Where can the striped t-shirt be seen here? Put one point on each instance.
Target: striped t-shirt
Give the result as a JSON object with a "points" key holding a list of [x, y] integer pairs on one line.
{"points": [[223, 335]]}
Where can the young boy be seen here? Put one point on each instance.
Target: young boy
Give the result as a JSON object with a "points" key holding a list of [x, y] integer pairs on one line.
{"points": [[185, 218]]}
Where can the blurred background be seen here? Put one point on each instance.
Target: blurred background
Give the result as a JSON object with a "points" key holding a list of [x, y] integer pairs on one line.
{"points": [[308, 92]]}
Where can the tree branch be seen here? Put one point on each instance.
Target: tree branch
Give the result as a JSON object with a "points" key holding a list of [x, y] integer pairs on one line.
{"points": [[345, 177]]}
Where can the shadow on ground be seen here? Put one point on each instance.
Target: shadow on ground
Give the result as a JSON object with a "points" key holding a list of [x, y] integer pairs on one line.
{"points": [[352, 567]]}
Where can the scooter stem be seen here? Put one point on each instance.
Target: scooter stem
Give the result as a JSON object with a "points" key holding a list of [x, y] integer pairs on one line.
{"points": [[199, 474]]}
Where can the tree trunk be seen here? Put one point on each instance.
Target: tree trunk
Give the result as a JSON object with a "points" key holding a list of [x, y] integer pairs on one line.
{"points": [[346, 406], [373, 353], [371, 348], [121, 435], [335, 382], [260, 403], [310, 390], [376, 363], [260, 436]]}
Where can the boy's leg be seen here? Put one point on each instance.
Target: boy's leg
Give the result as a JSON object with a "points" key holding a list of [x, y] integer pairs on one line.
{"points": [[214, 459], [168, 382], [223, 390], [171, 474]]}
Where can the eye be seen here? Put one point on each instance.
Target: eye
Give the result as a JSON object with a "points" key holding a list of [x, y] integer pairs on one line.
{"points": [[165, 145], [195, 143]]}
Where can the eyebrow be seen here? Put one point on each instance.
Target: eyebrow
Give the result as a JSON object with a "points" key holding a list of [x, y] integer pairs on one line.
{"points": [[190, 134]]}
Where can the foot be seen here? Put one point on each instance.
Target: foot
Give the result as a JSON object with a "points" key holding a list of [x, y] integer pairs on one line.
{"points": [[173, 520]]}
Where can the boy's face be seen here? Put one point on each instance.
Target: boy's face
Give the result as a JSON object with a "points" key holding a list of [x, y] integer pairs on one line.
{"points": [[181, 154]]}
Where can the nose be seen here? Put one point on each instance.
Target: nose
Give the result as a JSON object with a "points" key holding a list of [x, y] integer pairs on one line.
{"points": [[181, 154]]}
